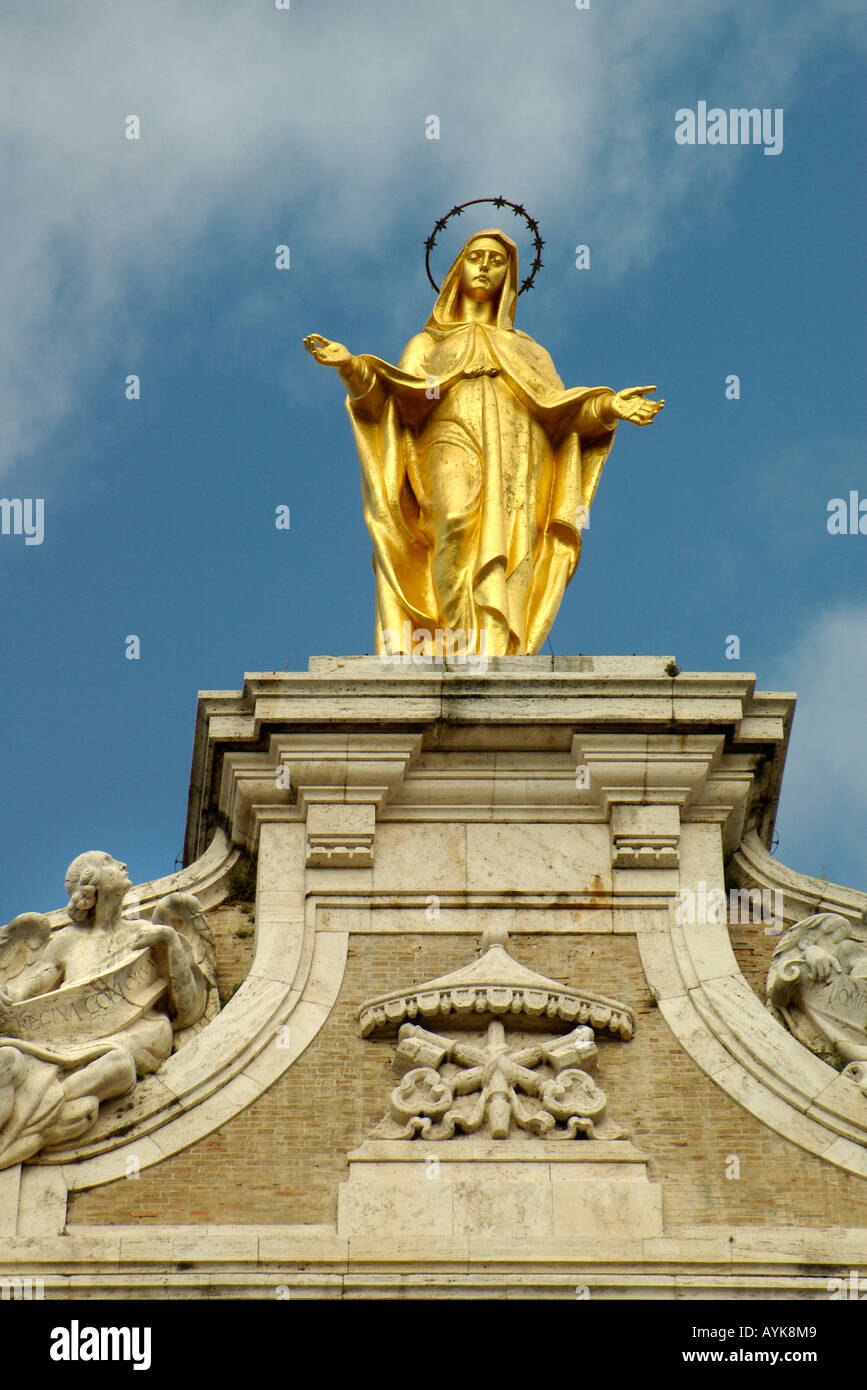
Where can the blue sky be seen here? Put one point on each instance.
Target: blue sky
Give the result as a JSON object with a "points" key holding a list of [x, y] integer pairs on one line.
{"points": [[306, 127]]}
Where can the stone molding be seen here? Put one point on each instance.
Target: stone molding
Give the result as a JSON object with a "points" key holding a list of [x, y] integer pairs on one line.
{"points": [[340, 837], [645, 836], [262, 1261], [731, 775]]}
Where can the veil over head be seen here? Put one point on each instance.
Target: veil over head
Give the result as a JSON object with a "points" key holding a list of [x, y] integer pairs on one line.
{"points": [[445, 310]]}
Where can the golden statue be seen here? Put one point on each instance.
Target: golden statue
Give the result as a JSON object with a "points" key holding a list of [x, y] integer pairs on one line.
{"points": [[478, 467]]}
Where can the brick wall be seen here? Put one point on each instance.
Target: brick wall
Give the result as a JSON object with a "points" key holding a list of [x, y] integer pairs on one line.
{"points": [[753, 951], [233, 926], [282, 1158]]}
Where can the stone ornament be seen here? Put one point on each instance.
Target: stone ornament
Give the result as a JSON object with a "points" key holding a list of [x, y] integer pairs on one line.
{"points": [[496, 986], [488, 1084], [89, 1007], [543, 1086], [817, 987]]}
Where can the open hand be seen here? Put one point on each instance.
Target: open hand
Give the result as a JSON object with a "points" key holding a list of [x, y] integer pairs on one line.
{"points": [[630, 405], [327, 353]]}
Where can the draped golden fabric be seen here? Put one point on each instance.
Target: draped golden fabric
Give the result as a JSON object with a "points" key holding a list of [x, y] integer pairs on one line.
{"points": [[475, 464]]}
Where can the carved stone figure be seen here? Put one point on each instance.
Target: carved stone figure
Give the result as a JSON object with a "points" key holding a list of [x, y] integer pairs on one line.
{"points": [[88, 1008], [478, 466], [817, 987], [496, 1082]]}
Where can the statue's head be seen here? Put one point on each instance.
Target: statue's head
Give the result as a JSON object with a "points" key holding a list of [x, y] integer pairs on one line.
{"points": [[95, 876], [483, 268], [486, 268]]}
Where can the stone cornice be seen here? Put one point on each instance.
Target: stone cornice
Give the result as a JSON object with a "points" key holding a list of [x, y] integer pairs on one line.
{"points": [[234, 1261], [734, 762]]}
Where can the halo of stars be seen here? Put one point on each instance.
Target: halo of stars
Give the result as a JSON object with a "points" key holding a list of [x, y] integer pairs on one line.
{"points": [[518, 210]]}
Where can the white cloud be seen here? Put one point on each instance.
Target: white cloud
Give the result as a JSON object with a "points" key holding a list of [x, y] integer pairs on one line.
{"points": [[314, 118]]}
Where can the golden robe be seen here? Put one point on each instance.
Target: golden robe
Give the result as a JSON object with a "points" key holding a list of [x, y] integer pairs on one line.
{"points": [[478, 468]]}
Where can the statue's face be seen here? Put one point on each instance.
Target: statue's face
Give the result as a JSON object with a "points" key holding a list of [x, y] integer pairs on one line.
{"points": [[113, 877], [484, 269]]}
